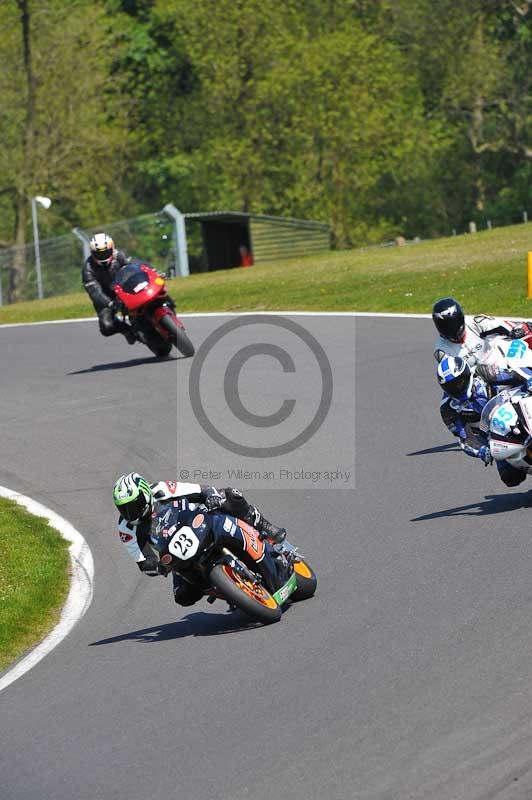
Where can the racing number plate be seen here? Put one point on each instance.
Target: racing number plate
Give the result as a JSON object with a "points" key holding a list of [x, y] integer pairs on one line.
{"points": [[184, 544]]}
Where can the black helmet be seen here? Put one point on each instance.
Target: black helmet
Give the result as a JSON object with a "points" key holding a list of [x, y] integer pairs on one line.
{"points": [[455, 378], [449, 319]]}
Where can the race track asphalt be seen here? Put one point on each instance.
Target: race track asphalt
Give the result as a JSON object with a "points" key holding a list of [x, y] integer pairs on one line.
{"points": [[407, 676]]}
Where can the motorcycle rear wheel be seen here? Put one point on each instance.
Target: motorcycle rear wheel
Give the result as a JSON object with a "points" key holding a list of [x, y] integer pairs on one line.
{"points": [[178, 337], [306, 581], [253, 599]]}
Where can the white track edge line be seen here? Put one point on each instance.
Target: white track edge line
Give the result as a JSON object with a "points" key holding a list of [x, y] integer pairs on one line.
{"points": [[81, 585], [239, 314]]}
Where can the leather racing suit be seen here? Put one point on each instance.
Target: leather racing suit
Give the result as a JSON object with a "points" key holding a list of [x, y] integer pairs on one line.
{"points": [[462, 417], [476, 347], [97, 282]]}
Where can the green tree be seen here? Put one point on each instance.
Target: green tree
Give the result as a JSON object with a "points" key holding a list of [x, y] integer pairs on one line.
{"points": [[60, 117], [473, 63], [287, 112]]}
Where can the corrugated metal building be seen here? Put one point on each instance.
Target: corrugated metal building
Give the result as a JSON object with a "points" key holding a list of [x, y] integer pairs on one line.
{"points": [[233, 239]]}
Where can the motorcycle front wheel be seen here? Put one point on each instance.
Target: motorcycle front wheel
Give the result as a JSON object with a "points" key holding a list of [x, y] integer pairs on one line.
{"points": [[159, 346], [306, 580], [251, 598], [147, 334], [177, 335]]}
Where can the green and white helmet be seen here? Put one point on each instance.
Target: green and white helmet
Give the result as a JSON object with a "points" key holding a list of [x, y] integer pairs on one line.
{"points": [[133, 497]]}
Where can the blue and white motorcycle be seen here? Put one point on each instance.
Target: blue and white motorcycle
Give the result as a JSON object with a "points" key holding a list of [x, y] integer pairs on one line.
{"points": [[506, 353], [507, 421]]}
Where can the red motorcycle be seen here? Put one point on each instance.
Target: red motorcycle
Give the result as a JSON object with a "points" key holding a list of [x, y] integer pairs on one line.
{"points": [[142, 299]]}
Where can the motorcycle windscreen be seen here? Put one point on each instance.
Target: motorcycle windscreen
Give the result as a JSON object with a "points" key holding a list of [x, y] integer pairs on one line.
{"points": [[525, 407], [492, 404], [132, 279]]}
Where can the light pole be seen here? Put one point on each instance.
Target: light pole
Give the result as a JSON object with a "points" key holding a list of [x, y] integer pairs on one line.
{"points": [[45, 202], [180, 238]]}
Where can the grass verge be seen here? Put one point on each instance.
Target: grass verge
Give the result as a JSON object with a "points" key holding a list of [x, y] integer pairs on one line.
{"points": [[486, 271], [34, 580]]}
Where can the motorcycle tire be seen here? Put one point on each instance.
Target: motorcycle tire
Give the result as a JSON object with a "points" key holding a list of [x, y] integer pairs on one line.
{"points": [[153, 340], [253, 600], [178, 336], [159, 346], [306, 581]]}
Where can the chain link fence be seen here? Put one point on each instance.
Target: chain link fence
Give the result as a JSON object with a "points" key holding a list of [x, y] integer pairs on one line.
{"points": [[61, 260], [152, 237], [149, 237]]}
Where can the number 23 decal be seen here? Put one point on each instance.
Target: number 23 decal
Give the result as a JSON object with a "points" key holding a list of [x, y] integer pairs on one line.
{"points": [[184, 544]]}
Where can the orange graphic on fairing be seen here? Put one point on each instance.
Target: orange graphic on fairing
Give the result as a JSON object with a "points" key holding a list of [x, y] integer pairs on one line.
{"points": [[254, 545]]}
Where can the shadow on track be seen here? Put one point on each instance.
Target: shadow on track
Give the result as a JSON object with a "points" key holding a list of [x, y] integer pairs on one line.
{"points": [[442, 448], [132, 362], [196, 624], [492, 504]]}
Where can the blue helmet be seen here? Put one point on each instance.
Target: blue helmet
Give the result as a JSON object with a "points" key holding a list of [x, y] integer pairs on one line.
{"points": [[455, 377]]}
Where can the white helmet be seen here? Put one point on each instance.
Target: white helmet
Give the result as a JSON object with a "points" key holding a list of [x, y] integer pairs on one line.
{"points": [[102, 249]]}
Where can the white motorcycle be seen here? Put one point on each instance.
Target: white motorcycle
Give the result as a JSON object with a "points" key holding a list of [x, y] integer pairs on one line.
{"points": [[506, 353], [507, 421]]}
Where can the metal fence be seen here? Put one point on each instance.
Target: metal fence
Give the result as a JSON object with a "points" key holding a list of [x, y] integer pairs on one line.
{"points": [[61, 260], [149, 236], [157, 238]]}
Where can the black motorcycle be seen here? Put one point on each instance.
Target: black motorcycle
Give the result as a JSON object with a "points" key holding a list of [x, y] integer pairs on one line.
{"points": [[187, 542]]}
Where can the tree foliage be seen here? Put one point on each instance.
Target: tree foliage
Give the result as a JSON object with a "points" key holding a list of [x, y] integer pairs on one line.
{"points": [[379, 117], [63, 131]]}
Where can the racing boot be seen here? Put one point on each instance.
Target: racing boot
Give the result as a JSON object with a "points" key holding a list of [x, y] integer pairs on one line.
{"points": [[237, 504], [130, 335], [267, 530], [126, 330]]}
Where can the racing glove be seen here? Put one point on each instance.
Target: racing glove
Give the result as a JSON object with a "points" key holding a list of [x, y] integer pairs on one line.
{"points": [[215, 499], [518, 332], [485, 455], [113, 306]]}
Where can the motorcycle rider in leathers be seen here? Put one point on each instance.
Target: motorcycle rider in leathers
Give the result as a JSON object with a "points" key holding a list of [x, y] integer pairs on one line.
{"points": [[467, 336], [98, 273], [465, 393], [136, 499]]}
